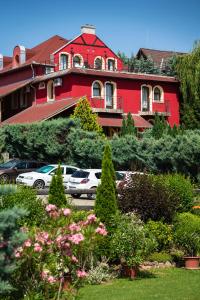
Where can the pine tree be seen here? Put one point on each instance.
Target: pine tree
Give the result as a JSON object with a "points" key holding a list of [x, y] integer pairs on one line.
{"points": [[106, 201], [56, 190], [88, 119], [128, 126], [10, 239]]}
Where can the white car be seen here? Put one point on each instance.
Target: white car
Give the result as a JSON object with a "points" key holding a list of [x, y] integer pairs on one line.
{"points": [[87, 179], [41, 177]]}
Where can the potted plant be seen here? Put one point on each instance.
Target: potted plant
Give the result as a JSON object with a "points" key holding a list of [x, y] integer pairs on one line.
{"points": [[130, 243], [187, 236]]}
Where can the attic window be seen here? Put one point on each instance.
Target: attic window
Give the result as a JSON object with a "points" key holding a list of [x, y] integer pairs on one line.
{"points": [[64, 58]]}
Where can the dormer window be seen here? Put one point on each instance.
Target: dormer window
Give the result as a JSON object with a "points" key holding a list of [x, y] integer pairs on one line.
{"points": [[64, 61], [111, 64], [77, 61]]}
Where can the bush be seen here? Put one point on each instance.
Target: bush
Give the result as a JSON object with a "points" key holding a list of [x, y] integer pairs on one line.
{"points": [[187, 233], [101, 273], [160, 257], [162, 233], [26, 198], [149, 196]]}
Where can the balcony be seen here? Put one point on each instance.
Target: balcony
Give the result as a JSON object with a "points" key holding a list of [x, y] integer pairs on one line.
{"points": [[109, 105], [160, 108]]}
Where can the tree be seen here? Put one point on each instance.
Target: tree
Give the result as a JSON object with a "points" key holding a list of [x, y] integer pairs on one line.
{"points": [[188, 72], [159, 127], [11, 238], [106, 202], [57, 190], [88, 119], [128, 126]]}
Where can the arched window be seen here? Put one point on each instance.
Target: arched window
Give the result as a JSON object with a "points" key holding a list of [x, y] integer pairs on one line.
{"points": [[110, 95], [157, 94], [77, 61], [96, 89], [50, 91], [64, 61], [98, 63]]}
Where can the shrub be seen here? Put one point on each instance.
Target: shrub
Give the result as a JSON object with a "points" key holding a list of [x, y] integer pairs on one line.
{"points": [[187, 233], [100, 273], [160, 257], [26, 198], [10, 239], [149, 197], [162, 233], [131, 242]]}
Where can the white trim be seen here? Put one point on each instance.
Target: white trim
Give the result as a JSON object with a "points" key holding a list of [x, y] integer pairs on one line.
{"points": [[102, 90], [161, 94], [150, 96], [103, 62], [115, 63], [48, 84], [114, 93], [41, 85], [81, 58], [69, 60]]}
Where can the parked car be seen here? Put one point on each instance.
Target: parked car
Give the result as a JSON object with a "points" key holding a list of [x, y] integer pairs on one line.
{"points": [[11, 169], [87, 179], [41, 177]]}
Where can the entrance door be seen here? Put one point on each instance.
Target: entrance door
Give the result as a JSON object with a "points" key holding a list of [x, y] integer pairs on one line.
{"points": [[145, 98], [109, 95]]}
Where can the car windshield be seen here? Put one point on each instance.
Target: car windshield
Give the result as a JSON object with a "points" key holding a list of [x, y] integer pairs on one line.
{"points": [[45, 169], [9, 164], [80, 174]]}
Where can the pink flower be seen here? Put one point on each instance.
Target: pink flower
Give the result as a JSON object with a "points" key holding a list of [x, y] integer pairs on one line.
{"points": [[17, 254], [44, 274], [81, 274], [37, 247], [42, 237], [91, 218], [74, 259], [101, 231], [76, 238], [74, 227], [51, 279], [27, 243], [66, 211], [54, 214], [50, 207]]}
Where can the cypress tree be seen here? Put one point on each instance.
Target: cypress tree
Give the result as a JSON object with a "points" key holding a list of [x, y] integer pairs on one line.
{"points": [[128, 126], [106, 201], [56, 190]]}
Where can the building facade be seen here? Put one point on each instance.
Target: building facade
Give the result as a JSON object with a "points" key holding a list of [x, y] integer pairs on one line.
{"points": [[47, 81]]}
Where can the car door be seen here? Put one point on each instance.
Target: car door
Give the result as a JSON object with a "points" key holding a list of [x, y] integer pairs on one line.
{"points": [[21, 167]]}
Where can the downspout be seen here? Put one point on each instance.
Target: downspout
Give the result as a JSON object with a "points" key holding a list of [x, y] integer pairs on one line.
{"points": [[33, 87]]}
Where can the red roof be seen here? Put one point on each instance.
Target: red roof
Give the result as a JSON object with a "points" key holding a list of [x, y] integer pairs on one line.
{"points": [[117, 122], [41, 112], [10, 88]]}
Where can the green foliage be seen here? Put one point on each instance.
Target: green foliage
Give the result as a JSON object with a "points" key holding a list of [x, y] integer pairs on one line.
{"points": [[25, 198], [131, 242], [188, 71], [159, 126], [128, 126], [187, 233], [106, 203], [42, 141], [57, 190], [99, 274], [160, 257], [10, 239], [162, 233], [149, 196], [6, 189], [88, 119]]}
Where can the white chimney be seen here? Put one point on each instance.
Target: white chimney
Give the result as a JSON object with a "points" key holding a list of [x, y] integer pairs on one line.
{"points": [[90, 29], [1, 61]]}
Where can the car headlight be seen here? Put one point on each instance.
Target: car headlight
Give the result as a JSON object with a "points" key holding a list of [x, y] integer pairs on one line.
{"points": [[28, 177]]}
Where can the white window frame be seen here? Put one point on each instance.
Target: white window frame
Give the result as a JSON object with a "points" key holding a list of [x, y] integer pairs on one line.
{"points": [[161, 94], [41, 85], [81, 59], [115, 63], [69, 60], [48, 84], [103, 62], [150, 97], [114, 94], [102, 89]]}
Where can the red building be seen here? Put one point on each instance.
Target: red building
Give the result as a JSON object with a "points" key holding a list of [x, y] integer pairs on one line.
{"points": [[46, 81]]}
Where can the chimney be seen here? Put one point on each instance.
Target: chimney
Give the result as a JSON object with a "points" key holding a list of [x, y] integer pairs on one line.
{"points": [[90, 29], [1, 62]]}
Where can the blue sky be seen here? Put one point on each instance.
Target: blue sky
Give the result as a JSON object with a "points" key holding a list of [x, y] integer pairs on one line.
{"points": [[122, 25]]}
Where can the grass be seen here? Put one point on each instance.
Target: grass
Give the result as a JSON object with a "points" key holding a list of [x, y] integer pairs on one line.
{"points": [[166, 284]]}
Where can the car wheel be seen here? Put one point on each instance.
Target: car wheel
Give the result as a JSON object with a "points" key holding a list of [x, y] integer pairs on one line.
{"points": [[92, 196], [76, 195], [39, 184], [4, 178]]}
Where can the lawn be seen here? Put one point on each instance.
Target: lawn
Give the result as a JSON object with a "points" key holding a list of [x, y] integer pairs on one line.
{"points": [[165, 284]]}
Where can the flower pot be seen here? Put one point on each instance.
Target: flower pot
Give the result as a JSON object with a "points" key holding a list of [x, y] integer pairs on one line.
{"points": [[67, 281], [130, 272], [192, 262]]}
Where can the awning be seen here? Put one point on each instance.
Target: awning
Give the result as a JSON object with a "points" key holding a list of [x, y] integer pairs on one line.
{"points": [[41, 112], [10, 88], [117, 122]]}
